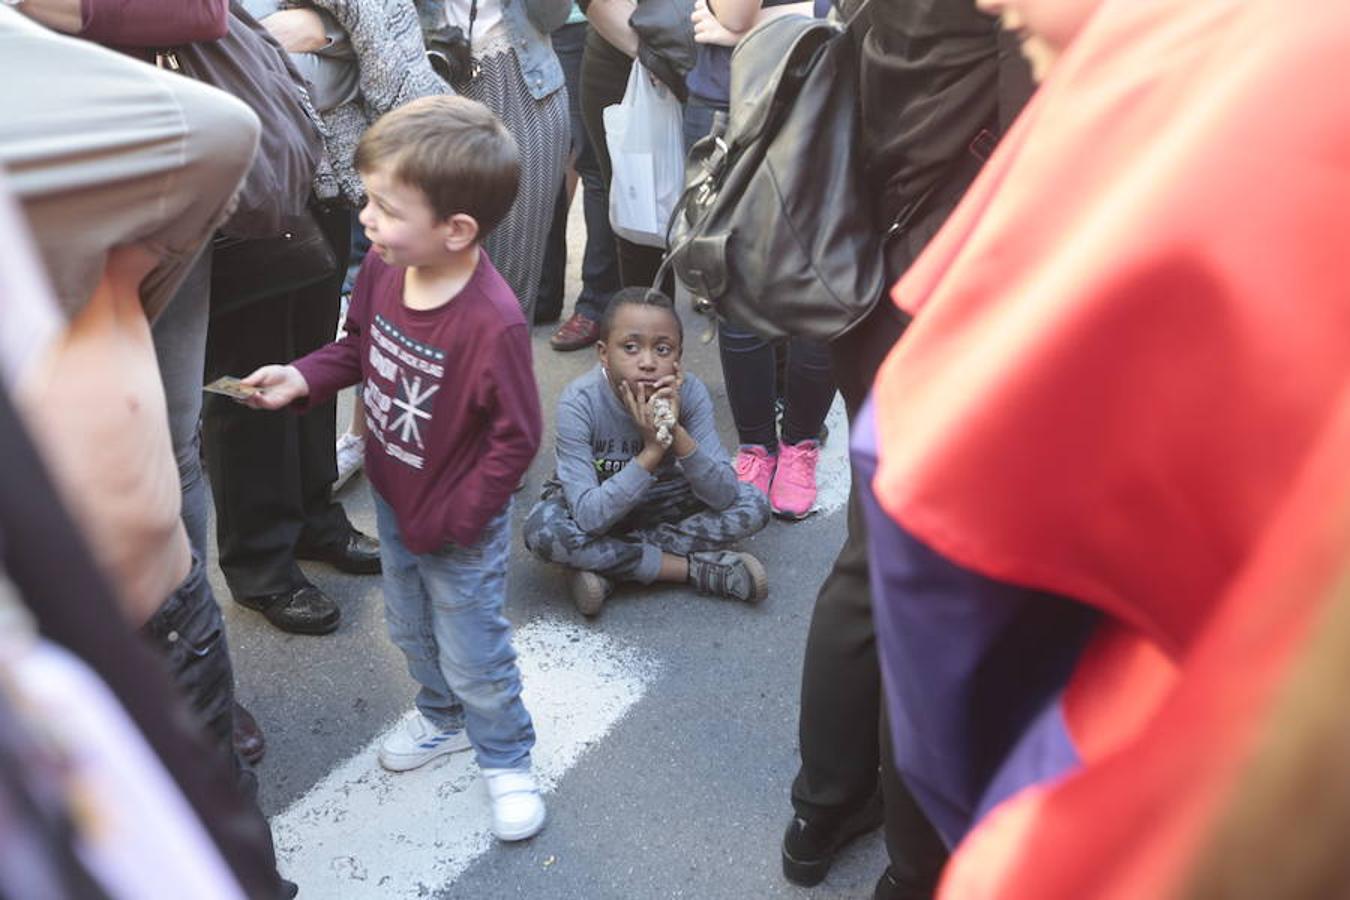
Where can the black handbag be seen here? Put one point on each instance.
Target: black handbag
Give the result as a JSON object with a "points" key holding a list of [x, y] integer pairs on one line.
{"points": [[250, 66], [666, 41], [774, 228], [244, 270]]}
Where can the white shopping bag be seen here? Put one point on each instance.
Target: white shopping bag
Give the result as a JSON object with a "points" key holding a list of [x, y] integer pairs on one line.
{"points": [[646, 152]]}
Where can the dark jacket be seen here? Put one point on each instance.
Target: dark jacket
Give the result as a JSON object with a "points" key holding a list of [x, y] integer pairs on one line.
{"points": [[938, 84]]}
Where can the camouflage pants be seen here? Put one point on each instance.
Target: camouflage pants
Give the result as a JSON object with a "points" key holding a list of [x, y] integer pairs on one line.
{"points": [[635, 555]]}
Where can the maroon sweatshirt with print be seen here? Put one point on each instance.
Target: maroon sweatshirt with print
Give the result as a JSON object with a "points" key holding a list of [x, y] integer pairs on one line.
{"points": [[449, 395]]}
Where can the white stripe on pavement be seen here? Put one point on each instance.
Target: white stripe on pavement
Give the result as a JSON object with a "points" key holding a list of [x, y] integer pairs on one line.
{"points": [[363, 832], [833, 475]]}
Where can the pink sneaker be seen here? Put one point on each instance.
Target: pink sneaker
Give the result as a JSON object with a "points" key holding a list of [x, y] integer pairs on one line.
{"points": [[755, 465], [794, 484]]}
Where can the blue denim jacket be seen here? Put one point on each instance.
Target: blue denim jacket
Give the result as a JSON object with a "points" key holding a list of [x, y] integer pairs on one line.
{"points": [[528, 25]]}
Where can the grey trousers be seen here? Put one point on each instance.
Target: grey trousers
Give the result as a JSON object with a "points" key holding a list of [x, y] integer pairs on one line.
{"points": [[553, 535], [103, 150]]}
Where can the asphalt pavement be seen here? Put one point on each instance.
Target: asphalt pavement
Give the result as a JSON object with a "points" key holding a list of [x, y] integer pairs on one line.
{"points": [[676, 789]]}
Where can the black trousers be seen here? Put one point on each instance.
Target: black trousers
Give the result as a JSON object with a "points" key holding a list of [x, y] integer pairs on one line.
{"points": [[599, 262], [604, 77], [272, 473], [845, 745]]}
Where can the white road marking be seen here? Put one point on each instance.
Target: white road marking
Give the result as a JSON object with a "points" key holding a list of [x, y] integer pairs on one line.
{"points": [[833, 475], [363, 832]]}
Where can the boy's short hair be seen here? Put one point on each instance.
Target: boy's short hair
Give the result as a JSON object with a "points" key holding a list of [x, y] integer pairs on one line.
{"points": [[639, 296], [452, 149]]}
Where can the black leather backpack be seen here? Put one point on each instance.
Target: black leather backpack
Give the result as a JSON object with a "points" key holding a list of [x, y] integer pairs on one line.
{"points": [[775, 228], [250, 65]]}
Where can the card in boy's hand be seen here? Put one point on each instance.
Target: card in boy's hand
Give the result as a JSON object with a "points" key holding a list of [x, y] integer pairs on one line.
{"points": [[229, 386]]}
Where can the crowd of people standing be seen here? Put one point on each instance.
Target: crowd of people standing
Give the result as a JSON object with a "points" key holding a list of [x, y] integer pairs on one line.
{"points": [[1094, 436]]}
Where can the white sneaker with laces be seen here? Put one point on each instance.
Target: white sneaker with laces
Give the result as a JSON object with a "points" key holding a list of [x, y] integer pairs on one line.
{"points": [[351, 456], [417, 742], [517, 809]]}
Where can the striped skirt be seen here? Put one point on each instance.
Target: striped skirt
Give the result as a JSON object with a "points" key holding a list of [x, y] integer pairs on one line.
{"points": [[541, 129]]}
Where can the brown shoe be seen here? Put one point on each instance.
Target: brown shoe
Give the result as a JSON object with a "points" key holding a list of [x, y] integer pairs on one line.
{"points": [[576, 333], [590, 590], [248, 737]]}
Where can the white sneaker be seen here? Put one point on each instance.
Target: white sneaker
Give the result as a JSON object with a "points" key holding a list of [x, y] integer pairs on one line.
{"points": [[351, 455], [517, 809], [417, 743]]}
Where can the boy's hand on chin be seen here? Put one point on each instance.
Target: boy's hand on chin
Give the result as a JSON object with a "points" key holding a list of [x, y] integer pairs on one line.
{"points": [[640, 412]]}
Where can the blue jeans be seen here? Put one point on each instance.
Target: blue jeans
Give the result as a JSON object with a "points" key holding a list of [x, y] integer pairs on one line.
{"points": [[698, 120], [444, 611]]}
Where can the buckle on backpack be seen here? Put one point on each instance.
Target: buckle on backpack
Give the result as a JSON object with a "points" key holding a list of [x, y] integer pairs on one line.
{"points": [[982, 144]]}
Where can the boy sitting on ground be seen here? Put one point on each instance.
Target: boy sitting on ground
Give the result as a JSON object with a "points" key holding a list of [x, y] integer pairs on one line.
{"points": [[438, 339], [644, 490]]}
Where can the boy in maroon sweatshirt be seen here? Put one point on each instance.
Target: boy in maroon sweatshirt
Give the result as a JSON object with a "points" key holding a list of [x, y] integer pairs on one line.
{"points": [[438, 339]]}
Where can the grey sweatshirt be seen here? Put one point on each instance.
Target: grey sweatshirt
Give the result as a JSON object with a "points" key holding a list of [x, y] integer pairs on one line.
{"points": [[596, 445]]}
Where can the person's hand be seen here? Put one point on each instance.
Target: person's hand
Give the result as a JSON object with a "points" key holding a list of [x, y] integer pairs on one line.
{"points": [[297, 30], [707, 30], [639, 409], [277, 386]]}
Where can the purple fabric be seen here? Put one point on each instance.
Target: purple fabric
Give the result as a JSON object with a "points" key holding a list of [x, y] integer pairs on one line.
{"points": [[1044, 751], [973, 668]]}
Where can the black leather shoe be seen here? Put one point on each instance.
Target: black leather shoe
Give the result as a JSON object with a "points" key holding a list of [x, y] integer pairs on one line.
{"points": [[809, 847], [248, 737], [358, 555], [890, 888], [302, 610]]}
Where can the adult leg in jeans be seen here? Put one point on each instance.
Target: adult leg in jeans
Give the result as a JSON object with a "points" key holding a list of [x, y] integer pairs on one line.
{"points": [[748, 366], [604, 76], [809, 390], [180, 349], [749, 372]]}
